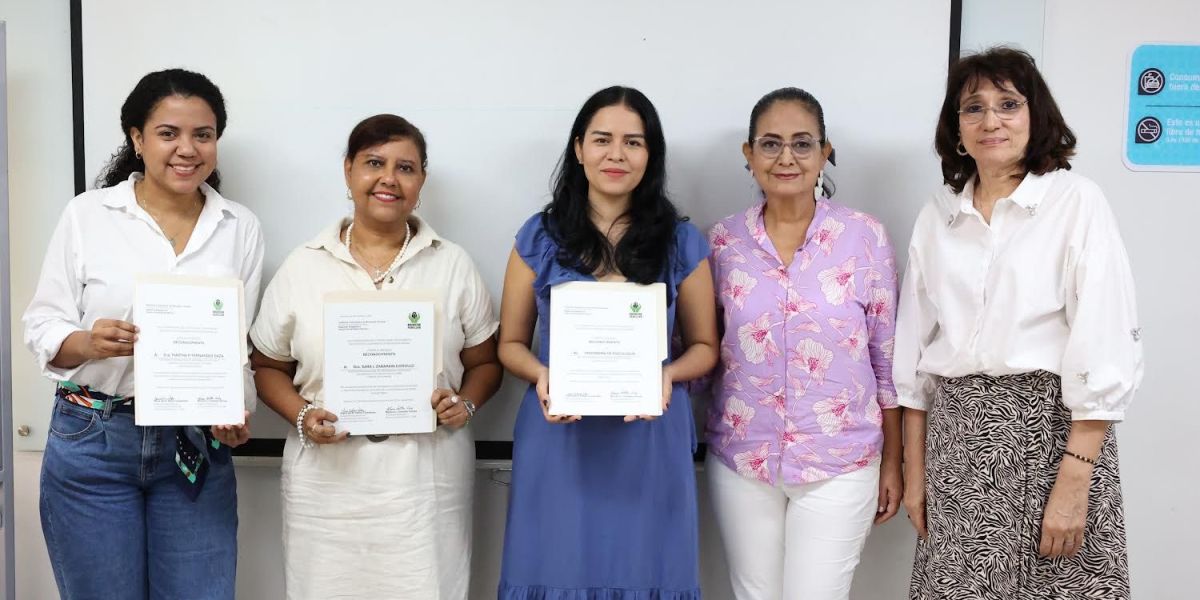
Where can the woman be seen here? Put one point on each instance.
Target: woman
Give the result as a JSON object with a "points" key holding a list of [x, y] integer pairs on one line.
{"points": [[365, 517], [107, 483], [803, 431], [605, 506], [1017, 347]]}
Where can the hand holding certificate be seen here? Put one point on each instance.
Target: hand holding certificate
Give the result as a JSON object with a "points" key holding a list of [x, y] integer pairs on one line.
{"points": [[190, 350], [607, 345], [382, 357]]}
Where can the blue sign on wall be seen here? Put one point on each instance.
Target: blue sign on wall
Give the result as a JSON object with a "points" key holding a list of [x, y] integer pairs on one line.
{"points": [[1163, 127]]}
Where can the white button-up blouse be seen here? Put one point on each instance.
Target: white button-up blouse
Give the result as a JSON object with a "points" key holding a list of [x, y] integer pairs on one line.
{"points": [[1045, 286], [102, 242]]}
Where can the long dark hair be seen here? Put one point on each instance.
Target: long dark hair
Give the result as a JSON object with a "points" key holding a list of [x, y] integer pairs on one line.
{"points": [[1051, 142], [141, 102], [643, 253]]}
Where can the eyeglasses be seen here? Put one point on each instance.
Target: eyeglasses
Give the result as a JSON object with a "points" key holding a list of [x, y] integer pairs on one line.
{"points": [[771, 146], [974, 113]]}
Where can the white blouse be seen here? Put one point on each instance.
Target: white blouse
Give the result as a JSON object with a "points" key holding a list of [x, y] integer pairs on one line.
{"points": [[290, 326], [1045, 286], [102, 242]]}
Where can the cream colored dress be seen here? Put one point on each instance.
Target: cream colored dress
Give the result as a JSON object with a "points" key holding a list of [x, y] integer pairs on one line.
{"points": [[363, 519]]}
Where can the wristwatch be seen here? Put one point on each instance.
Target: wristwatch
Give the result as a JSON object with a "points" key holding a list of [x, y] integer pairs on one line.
{"points": [[470, 406]]}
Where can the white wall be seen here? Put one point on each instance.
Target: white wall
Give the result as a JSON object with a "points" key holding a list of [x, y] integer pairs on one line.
{"points": [[1016, 23], [40, 176], [1087, 49], [1156, 442]]}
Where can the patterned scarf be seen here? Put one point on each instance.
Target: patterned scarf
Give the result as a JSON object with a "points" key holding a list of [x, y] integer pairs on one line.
{"points": [[194, 446]]}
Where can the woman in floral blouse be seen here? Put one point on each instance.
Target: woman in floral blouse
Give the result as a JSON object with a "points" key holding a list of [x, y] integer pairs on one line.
{"points": [[803, 431]]}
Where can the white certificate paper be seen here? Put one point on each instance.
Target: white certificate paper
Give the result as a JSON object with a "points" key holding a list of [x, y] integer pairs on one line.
{"points": [[382, 357], [190, 351], [607, 344]]}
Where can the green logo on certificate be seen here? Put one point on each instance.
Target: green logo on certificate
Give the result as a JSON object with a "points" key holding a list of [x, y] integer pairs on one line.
{"points": [[635, 311], [218, 308], [414, 320]]}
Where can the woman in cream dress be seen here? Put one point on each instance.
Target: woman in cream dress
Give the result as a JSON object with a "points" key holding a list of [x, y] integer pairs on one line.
{"points": [[376, 517]]}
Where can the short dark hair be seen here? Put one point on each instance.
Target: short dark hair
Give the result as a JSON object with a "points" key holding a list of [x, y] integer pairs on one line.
{"points": [[381, 129], [1051, 143], [810, 103], [644, 251], [146, 95]]}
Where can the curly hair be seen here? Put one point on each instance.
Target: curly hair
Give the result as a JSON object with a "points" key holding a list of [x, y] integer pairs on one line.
{"points": [[146, 95]]}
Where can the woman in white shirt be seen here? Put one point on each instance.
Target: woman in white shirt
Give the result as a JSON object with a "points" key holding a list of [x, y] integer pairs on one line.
{"points": [[1017, 347], [128, 511], [365, 517]]}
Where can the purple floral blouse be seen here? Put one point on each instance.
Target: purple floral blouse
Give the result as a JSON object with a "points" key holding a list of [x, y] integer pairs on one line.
{"points": [[806, 352]]}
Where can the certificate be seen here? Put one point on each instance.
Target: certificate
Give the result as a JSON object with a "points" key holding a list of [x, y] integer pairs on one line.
{"points": [[382, 357], [191, 348], [607, 344]]}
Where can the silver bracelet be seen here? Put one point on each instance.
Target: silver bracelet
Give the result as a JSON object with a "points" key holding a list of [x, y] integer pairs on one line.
{"points": [[300, 426], [467, 404]]}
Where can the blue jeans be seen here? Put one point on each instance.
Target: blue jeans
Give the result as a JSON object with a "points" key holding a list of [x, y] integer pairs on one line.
{"points": [[117, 524]]}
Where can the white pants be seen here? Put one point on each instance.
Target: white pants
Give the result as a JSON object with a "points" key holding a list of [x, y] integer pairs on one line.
{"points": [[793, 542]]}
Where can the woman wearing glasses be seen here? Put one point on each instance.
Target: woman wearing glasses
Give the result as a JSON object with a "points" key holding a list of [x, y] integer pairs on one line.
{"points": [[1017, 347], [803, 431]]}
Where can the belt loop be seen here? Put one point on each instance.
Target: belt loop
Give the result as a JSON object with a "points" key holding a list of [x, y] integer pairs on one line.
{"points": [[108, 407]]}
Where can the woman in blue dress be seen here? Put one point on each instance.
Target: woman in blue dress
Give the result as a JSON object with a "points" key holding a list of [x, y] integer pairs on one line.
{"points": [[605, 507]]}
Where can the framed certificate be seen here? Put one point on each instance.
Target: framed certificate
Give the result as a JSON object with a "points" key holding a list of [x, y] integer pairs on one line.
{"points": [[188, 360], [382, 356], [607, 345]]}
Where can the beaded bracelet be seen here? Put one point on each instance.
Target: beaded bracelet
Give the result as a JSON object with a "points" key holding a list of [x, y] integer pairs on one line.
{"points": [[300, 426], [1080, 457]]}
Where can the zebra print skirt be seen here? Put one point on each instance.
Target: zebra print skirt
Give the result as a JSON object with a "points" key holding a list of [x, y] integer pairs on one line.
{"points": [[992, 451]]}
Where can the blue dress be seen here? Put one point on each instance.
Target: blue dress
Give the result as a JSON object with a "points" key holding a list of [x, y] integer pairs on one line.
{"points": [[602, 509]]}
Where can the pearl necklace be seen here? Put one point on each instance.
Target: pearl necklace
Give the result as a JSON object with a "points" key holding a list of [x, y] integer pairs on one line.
{"points": [[381, 273]]}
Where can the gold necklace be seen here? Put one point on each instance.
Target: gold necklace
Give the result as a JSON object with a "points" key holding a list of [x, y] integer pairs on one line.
{"points": [[157, 221]]}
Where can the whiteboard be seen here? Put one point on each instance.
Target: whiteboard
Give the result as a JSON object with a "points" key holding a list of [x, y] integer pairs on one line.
{"points": [[495, 85]]}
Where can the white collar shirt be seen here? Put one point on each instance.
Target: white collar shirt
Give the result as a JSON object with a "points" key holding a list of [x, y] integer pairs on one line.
{"points": [[290, 326], [103, 241], [1046, 285]]}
